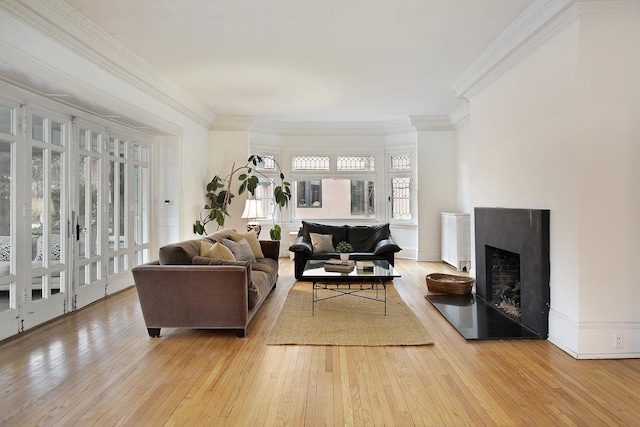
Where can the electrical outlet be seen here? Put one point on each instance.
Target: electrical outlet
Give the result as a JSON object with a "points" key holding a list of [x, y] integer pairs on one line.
{"points": [[618, 341]]}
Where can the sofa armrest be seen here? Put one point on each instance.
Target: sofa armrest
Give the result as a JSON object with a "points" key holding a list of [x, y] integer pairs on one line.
{"points": [[270, 248], [301, 246], [192, 295], [386, 245]]}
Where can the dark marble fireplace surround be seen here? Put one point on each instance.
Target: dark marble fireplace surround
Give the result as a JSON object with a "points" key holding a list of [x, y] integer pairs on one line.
{"points": [[524, 233]]}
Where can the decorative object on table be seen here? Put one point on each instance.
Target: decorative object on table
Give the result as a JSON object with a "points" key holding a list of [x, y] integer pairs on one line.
{"points": [[365, 266], [344, 249], [346, 321], [253, 211], [449, 284], [219, 194], [338, 265]]}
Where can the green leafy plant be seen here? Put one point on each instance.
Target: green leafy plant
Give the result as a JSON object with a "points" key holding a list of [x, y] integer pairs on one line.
{"points": [[219, 193], [275, 232], [344, 247]]}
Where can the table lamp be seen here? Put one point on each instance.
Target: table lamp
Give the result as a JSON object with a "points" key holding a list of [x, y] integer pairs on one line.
{"points": [[253, 211]]}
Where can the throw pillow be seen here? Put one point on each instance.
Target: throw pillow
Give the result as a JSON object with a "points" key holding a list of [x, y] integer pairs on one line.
{"points": [[252, 239], [322, 242], [241, 250], [215, 250]]}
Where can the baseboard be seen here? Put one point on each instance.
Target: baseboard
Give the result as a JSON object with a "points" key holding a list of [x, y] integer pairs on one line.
{"points": [[594, 340]]}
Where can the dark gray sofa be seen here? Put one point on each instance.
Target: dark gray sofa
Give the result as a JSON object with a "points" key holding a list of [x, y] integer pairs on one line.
{"points": [[370, 242]]}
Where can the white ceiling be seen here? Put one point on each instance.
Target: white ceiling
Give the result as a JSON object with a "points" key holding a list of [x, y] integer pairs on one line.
{"points": [[297, 59]]}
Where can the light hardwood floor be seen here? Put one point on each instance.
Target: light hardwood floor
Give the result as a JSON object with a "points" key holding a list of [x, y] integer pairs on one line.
{"points": [[98, 366]]}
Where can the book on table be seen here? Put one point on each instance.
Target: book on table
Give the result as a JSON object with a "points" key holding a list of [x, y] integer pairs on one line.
{"points": [[365, 266], [339, 265]]}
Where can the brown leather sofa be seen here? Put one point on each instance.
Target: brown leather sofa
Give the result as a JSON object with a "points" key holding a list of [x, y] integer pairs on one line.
{"points": [[369, 242], [184, 290]]}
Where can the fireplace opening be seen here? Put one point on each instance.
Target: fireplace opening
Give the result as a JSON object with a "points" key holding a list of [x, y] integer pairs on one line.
{"points": [[503, 277]]}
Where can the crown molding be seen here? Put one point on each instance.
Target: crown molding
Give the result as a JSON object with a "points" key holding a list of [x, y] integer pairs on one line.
{"points": [[432, 123], [460, 114], [60, 22], [275, 127], [233, 123], [542, 21]]}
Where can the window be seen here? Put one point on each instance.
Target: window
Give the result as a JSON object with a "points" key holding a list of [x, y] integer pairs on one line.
{"points": [[309, 194], [310, 163], [268, 163], [264, 194], [268, 170], [355, 163], [362, 197], [401, 198], [401, 186], [401, 163], [343, 188]]}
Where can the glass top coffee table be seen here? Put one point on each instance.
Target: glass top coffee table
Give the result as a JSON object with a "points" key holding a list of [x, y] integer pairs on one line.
{"points": [[369, 284]]}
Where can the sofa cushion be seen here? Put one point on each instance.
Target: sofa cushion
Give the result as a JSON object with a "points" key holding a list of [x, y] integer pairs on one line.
{"points": [[179, 253], [268, 266], [261, 275], [322, 243], [364, 238], [215, 250], [217, 236], [241, 250], [251, 238], [258, 287], [337, 232], [200, 260]]}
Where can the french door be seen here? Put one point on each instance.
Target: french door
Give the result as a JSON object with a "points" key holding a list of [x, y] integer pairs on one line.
{"points": [[110, 214], [10, 245], [46, 292], [89, 282], [74, 214]]}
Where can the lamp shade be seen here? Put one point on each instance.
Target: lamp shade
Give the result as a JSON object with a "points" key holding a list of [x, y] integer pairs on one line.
{"points": [[253, 209]]}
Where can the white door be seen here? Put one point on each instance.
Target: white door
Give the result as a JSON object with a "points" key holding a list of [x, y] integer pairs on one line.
{"points": [[74, 213], [45, 291], [88, 218], [9, 311]]}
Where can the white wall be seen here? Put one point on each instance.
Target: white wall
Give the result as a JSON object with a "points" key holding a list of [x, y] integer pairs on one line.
{"points": [[463, 150], [228, 147], [437, 188], [558, 131]]}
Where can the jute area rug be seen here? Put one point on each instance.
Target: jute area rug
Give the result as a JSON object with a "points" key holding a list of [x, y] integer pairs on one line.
{"points": [[346, 321]]}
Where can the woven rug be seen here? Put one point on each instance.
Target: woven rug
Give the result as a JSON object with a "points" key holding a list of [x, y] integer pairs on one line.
{"points": [[346, 320]]}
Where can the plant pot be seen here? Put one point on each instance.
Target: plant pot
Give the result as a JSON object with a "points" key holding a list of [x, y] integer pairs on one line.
{"points": [[344, 256]]}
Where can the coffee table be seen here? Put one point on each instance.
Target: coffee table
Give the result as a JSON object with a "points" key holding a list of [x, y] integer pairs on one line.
{"points": [[371, 285]]}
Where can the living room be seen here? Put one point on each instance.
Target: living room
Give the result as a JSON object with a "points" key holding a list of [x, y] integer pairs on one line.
{"points": [[545, 121], [548, 124], [552, 128]]}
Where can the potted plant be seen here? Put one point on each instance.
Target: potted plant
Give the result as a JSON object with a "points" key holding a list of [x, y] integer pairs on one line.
{"points": [[344, 249], [219, 193]]}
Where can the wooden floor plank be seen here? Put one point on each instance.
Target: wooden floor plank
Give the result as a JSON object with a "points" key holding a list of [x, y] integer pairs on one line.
{"points": [[98, 366]]}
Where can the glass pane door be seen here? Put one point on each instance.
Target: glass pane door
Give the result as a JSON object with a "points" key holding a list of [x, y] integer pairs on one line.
{"points": [[9, 324], [45, 296], [89, 283]]}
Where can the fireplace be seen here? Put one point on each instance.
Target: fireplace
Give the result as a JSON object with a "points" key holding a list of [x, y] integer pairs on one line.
{"points": [[512, 278], [503, 276]]}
